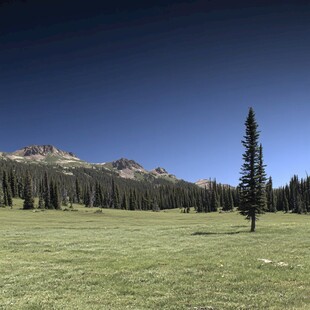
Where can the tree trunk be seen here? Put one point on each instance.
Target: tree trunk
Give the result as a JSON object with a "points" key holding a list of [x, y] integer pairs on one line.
{"points": [[253, 218]]}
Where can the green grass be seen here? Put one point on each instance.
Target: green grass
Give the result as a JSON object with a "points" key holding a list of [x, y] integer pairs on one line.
{"points": [[145, 260]]}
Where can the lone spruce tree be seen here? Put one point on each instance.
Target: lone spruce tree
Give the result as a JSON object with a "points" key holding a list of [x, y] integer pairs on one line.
{"points": [[253, 177]]}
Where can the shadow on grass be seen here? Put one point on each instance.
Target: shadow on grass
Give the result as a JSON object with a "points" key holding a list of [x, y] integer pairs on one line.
{"points": [[239, 226], [205, 233]]}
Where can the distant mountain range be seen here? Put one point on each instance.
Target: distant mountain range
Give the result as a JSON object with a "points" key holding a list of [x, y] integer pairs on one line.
{"points": [[123, 167], [50, 155]]}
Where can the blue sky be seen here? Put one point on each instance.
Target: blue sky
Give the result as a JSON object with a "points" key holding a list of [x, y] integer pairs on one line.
{"points": [[166, 83]]}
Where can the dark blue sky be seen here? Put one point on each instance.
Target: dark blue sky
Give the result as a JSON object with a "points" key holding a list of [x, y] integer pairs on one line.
{"points": [[165, 83]]}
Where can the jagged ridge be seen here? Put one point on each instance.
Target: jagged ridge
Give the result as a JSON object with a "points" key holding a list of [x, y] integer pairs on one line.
{"points": [[124, 163], [160, 171], [42, 150]]}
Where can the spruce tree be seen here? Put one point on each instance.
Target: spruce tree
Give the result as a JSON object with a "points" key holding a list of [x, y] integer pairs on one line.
{"points": [[261, 176], [115, 199], [28, 195], [155, 206], [46, 192], [252, 180], [295, 200], [20, 188], [77, 191], [64, 196], [286, 205], [271, 205], [88, 197], [215, 204], [1, 197], [97, 201], [132, 200], [7, 193], [41, 202], [56, 197], [13, 183], [124, 202]]}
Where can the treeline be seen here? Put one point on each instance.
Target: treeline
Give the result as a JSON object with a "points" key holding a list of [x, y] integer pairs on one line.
{"points": [[294, 197], [182, 195], [56, 186]]}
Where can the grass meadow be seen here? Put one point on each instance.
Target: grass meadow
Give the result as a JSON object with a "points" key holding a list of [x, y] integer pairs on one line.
{"points": [[152, 260]]}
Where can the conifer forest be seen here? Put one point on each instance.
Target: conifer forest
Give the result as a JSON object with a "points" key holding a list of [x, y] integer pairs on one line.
{"points": [[99, 188]]}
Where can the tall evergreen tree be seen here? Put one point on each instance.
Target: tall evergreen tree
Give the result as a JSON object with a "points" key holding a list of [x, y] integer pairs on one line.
{"points": [[252, 180], [132, 200], [56, 197], [88, 197], [64, 196], [1, 197], [271, 204], [40, 194], [295, 200], [20, 188], [286, 195], [98, 199], [41, 202], [77, 191], [46, 192], [28, 194], [115, 198], [13, 183], [261, 176], [215, 204], [7, 193], [124, 205], [228, 199], [51, 195], [55, 200]]}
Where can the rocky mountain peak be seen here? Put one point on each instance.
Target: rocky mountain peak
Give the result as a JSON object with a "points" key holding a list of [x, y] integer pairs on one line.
{"points": [[160, 170], [124, 163], [42, 150]]}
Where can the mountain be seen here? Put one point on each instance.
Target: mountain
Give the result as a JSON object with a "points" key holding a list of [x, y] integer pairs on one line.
{"points": [[126, 168], [125, 163], [160, 172], [130, 169], [42, 150], [51, 155], [45, 154]]}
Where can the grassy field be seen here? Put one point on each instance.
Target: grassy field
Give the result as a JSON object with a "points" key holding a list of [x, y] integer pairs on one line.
{"points": [[145, 260]]}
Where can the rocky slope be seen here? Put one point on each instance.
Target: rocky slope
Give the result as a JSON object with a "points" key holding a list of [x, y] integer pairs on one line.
{"points": [[42, 150], [129, 169], [48, 154]]}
